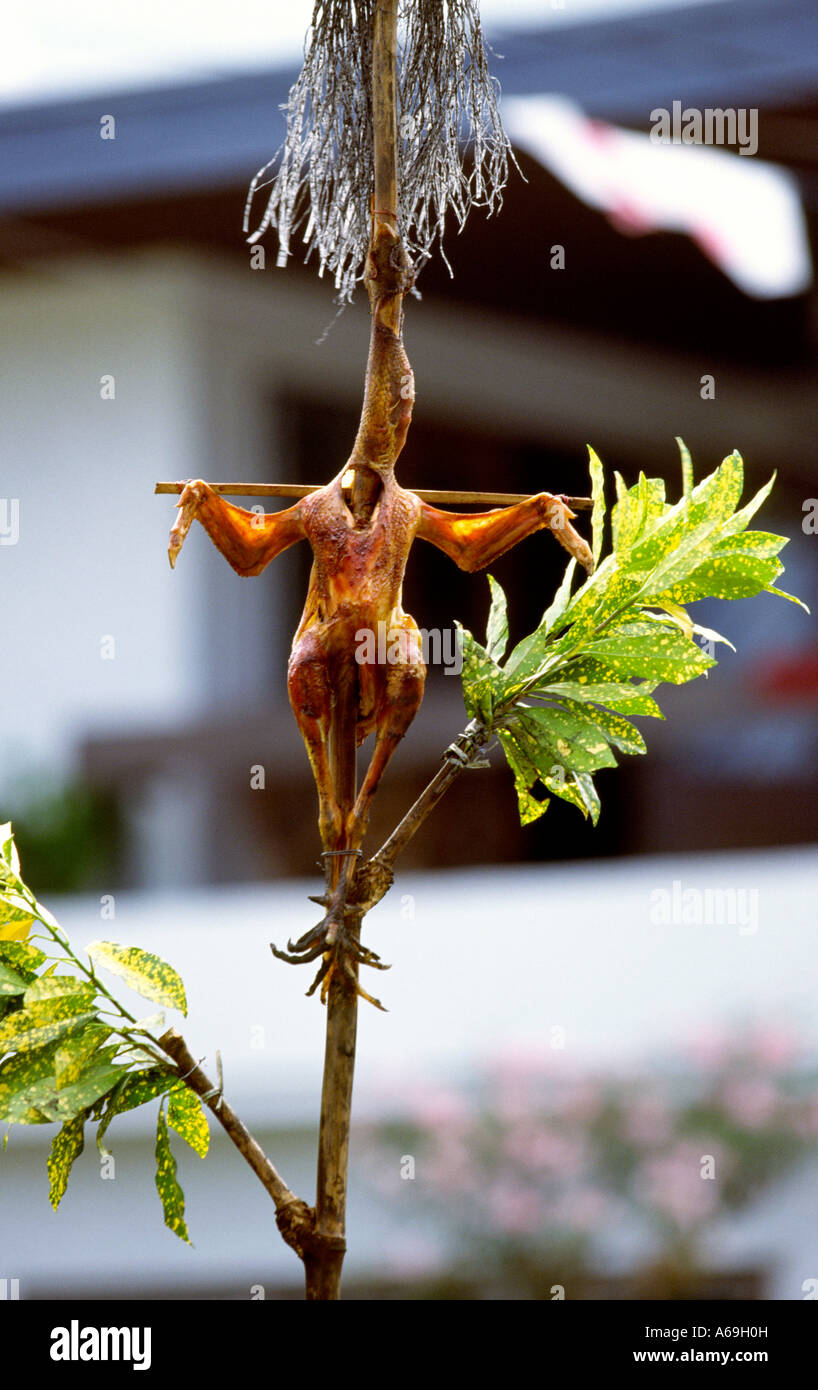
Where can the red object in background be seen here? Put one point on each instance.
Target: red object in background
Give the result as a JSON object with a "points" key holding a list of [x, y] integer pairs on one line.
{"points": [[791, 677]]}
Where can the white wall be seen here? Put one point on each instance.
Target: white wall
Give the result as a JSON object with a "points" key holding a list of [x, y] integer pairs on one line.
{"points": [[89, 560]]}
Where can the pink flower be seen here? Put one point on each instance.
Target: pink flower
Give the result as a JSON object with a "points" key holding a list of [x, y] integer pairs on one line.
{"points": [[648, 1121], [583, 1210], [775, 1045], [439, 1108], [538, 1148], [514, 1210], [412, 1255], [580, 1099], [675, 1182], [750, 1100], [449, 1169]]}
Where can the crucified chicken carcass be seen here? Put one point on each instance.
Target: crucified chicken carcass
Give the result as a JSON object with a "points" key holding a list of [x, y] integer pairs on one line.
{"points": [[361, 527]]}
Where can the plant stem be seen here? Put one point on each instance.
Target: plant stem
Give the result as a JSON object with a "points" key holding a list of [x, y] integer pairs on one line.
{"points": [[417, 813], [374, 878], [294, 1218]]}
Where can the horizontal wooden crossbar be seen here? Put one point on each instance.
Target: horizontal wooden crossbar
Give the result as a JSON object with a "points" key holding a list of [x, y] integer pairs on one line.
{"points": [[485, 499]]}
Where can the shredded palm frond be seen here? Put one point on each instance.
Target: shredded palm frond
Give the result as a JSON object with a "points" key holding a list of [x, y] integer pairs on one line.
{"points": [[324, 171]]}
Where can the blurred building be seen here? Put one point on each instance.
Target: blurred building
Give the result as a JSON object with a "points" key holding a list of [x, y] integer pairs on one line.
{"points": [[140, 345]]}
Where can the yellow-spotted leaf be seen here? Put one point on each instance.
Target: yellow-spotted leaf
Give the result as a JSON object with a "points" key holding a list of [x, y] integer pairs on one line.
{"points": [[782, 593], [621, 696], [598, 499], [530, 805], [22, 957], [167, 1183], [22, 1031], [92, 1085], [480, 676], [66, 1148], [599, 653], [20, 1076], [637, 514], [187, 1116], [728, 574], [561, 599], [497, 628], [652, 650], [9, 858], [716, 497], [145, 973], [58, 996], [738, 521], [137, 1088], [16, 918], [551, 736], [578, 790], [73, 1052], [618, 731], [10, 981], [687, 467]]}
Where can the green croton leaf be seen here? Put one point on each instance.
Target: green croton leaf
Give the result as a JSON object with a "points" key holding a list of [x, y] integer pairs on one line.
{"points": [[66, 1148], [480, 677], [22, 957], [51, 997], [10, 981], [167, 1183], [136, 1088], [24, 1078], [558, 702], [497, 627], [24, 1030], [66, 1102], [16, 917], [145, 973], [73, 1052], [187, 1116], [598, 499]]}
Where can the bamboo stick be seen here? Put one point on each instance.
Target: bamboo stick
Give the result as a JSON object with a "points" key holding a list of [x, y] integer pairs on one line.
{"points": [[324, 1262], [433, 495]]}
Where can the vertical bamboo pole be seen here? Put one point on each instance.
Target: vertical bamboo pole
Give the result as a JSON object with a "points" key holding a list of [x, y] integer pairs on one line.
{"points": [[385, 106], [324, 1261], [323, 1264]]}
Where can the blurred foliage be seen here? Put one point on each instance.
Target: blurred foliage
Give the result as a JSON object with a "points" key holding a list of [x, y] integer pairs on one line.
{"points": [[70, 836], [526, 1179]]}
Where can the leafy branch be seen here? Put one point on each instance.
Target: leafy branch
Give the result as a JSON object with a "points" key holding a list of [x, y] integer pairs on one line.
{"points": [[68, 1057], [561, 701]]}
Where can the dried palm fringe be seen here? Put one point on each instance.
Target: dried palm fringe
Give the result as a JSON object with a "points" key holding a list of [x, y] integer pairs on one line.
{"points": [[447, 99]]}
